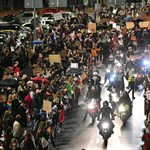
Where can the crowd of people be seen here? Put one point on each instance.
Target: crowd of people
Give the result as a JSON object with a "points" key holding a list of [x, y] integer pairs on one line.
{"points": [[23, 122]]}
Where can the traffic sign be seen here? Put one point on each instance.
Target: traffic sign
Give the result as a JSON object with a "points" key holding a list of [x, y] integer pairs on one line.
{"points": [[33, 3]]}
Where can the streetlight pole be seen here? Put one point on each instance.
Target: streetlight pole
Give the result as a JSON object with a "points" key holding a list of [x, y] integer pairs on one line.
{"points": [[34, 10]]}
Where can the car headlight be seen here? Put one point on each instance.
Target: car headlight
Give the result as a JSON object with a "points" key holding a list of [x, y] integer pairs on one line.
{"points": [[121, 108], [91, 106], [105, 125]]}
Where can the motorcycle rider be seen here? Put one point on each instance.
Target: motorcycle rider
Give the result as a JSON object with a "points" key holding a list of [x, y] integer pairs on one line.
{"points": [[94, 82], [106, 113]]}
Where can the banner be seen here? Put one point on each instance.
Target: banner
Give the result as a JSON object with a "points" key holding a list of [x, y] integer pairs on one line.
{"points": [[54, 58], [129, 25], [144, 24], [47, 106], [92, 27]]}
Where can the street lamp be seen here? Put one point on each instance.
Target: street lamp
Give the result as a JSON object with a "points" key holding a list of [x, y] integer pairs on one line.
{"points": [[34, 10]]}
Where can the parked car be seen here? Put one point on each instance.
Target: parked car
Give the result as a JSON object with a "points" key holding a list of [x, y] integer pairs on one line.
{"points": [[47, 18], [28, 15]]}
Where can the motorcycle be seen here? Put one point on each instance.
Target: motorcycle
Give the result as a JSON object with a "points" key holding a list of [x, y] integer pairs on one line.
{"points": [[93, 109], [124, 112], [105, 127]]}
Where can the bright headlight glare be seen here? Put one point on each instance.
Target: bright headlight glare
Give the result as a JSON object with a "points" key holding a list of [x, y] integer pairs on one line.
{"points": [[121, 108], [118, 64], [121, 55], [146, 62], [112, 79], [108, 70], [105, 125], [91, 106]]}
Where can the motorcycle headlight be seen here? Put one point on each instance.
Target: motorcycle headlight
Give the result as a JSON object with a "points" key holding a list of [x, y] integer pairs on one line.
{"points": [[108, 70], [121, 55], [121, 108], [105, 125], [112, 79], [91, 106], [145, 62]]}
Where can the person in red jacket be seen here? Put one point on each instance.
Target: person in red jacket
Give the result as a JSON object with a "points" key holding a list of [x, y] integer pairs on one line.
{"points": [[145, 138], [16, 68]]}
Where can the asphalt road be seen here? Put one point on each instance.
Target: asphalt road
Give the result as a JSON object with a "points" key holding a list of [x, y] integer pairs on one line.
{"points": [[78, 134]]}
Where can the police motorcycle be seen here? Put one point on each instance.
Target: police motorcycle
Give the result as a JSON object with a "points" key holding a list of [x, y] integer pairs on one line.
{"points": [[106, 125], [124, 108]]}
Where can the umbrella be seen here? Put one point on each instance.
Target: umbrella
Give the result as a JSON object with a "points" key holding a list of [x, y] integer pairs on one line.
{"points": [[9, 82], [75, 71], [40, 79]]}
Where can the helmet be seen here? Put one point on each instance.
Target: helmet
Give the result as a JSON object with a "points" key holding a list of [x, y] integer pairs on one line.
{"points": [[105, 103], [95, 73]]}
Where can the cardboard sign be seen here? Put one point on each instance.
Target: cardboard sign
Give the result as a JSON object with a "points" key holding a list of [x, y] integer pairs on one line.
{"points": [[54, 58], [129, 25], [74, 65], [83, 76], [144, 24], [58, 16], [37, 71], [92, 27], [47, 106]]}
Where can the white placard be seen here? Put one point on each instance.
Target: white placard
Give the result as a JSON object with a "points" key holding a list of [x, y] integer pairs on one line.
{"points": [[12, 49], [114, 25], [118, 28], [58, 16], [74, 65]]}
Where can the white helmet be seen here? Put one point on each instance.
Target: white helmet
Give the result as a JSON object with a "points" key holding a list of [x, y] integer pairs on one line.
{"points": [[95, 74]]}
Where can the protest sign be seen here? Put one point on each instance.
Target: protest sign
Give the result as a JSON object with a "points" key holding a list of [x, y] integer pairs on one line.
{"points": [[92, 27], [144, 24], [54, 58], [129, 25], [74, 65], [47, 106], [83, 76], [57, 16]]}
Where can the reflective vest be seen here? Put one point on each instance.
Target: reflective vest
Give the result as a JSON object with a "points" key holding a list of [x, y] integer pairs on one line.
{"points": [[130, 78]]}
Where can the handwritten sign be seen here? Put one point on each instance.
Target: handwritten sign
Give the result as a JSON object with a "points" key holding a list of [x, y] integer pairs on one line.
{"points": [[129, 25], [83, 76], [54, 58], [92, 27], [58, 16], [47, 106], [144, 24], [74, 65]]}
